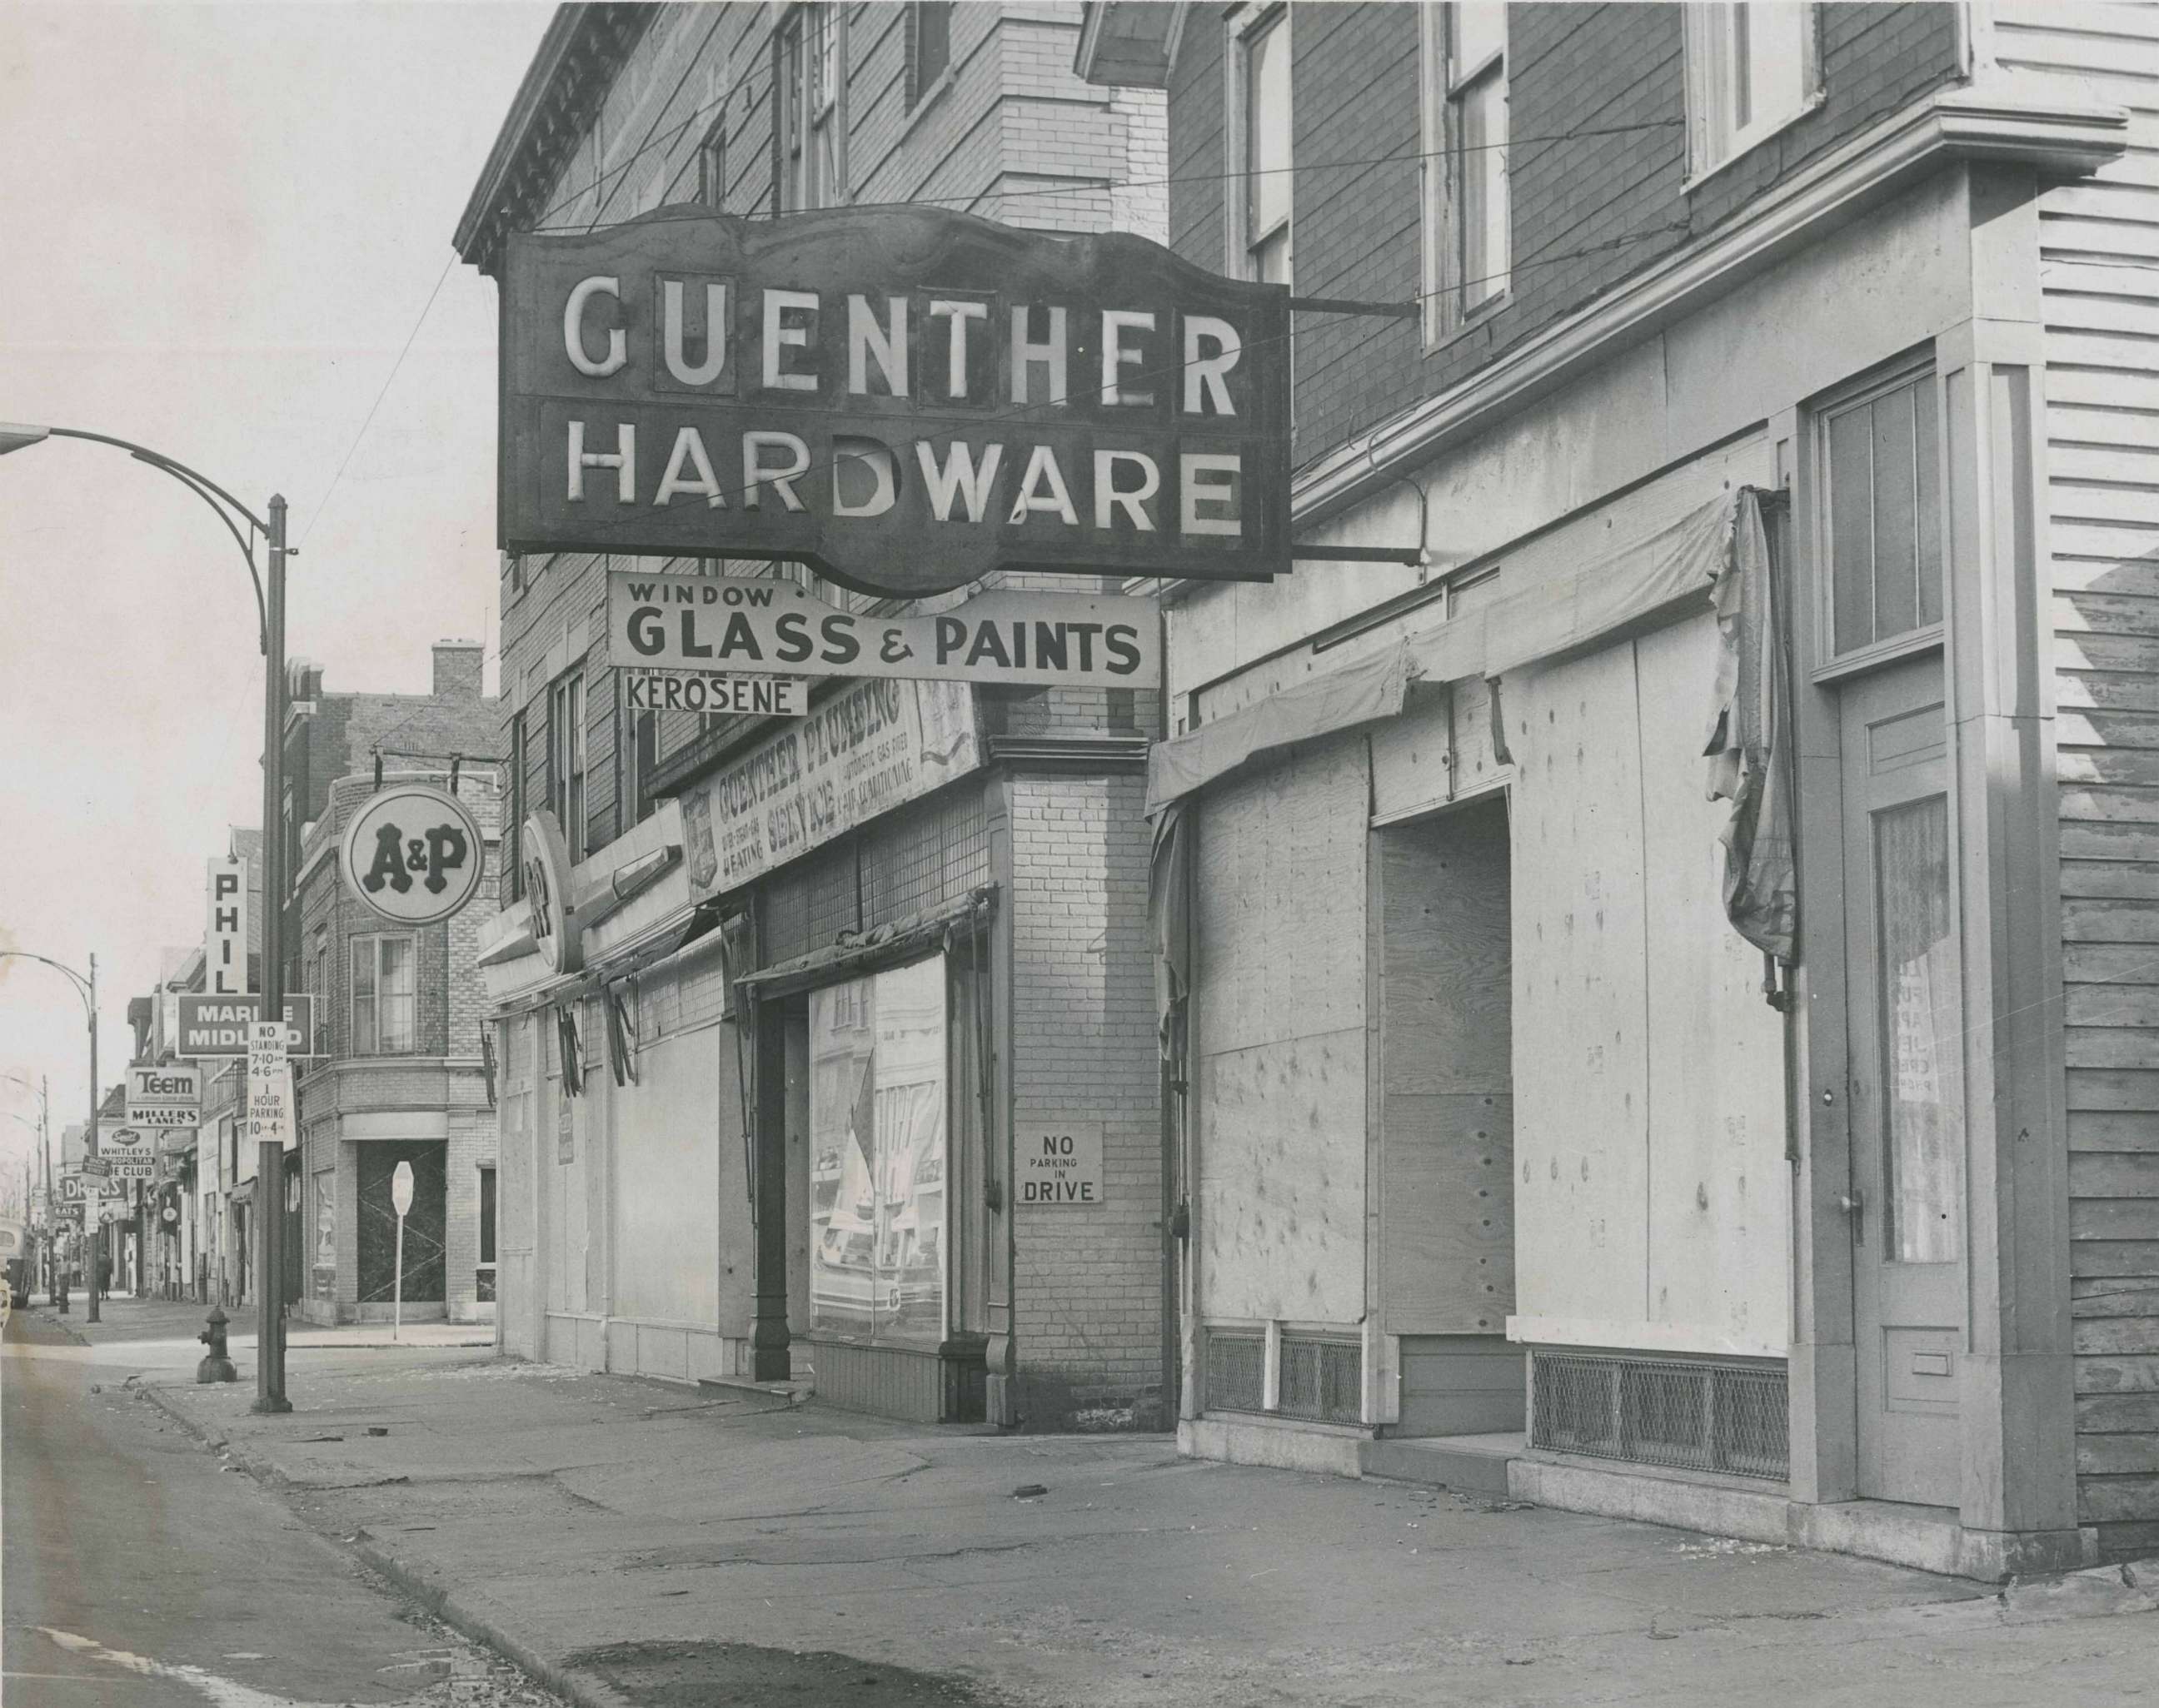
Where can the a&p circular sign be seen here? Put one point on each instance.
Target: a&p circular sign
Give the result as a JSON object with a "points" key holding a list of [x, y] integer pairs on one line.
{"points": [[414, 854]]}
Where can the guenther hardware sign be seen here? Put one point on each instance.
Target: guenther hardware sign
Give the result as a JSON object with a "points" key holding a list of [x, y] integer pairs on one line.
{"points": [[906, 398]]}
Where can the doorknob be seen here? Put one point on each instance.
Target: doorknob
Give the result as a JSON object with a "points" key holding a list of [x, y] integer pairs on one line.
{"points": [[1853, 1204]]}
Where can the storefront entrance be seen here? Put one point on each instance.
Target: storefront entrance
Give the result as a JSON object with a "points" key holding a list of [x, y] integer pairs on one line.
{"points": [[1905, 1203], [424, 1226]]}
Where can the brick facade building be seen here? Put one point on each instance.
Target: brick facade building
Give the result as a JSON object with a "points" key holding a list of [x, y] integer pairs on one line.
{"points": [[1774, 374], [769, 1127], [400, 1074]]}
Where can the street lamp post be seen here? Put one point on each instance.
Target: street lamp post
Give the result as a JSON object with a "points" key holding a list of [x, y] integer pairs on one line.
{"points": [[270, 605], [85, 988]]}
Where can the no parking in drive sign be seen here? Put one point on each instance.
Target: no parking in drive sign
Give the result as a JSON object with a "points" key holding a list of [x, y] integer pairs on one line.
{"points": [[1060, 1164]]}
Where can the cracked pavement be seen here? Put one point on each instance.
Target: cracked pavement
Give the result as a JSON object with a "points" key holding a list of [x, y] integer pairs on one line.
{"points": [[635, 1542]]}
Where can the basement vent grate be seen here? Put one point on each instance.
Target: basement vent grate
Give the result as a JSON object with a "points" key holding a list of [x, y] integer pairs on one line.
{"points": [[1322, 1379], [1236, 1371], [1685, 1414]]}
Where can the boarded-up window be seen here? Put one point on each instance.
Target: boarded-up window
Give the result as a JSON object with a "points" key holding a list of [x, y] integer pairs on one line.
{"points": [[1882, 514]]}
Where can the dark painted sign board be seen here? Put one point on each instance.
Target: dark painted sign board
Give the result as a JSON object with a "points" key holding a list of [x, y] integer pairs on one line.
{"points": [[904, 398]]}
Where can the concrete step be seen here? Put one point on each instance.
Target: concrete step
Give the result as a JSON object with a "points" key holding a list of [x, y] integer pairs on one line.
{"points": [[1473, 1464]]}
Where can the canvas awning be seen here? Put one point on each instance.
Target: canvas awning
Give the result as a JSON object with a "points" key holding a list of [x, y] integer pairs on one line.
{"points": [[1655, 579], [852, 954], [1363, 692]]}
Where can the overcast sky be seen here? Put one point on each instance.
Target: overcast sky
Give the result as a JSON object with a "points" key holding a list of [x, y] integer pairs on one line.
{"points": [[218, 224]]}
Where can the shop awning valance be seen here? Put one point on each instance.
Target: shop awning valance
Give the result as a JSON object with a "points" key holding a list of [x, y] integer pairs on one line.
{"points": [[854, 953], [1657, 578], [1363, 692]]}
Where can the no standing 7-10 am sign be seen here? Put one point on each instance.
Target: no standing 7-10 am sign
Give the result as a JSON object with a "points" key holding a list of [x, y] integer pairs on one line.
{"points": [[414, 854], [906, 398]]}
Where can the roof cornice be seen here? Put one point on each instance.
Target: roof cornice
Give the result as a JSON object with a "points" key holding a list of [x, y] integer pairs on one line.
{"points": [[577, 62]]}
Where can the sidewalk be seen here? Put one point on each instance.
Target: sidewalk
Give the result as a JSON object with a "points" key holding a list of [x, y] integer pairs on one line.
{"points": [[637, 1541], [129, 1319]]}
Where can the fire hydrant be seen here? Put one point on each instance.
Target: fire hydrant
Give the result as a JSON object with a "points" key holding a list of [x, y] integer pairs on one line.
{"points": [[217, 1366]]}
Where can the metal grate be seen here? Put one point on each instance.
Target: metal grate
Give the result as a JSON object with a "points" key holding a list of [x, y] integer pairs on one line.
{"points": [[1322, 1379], [1236, 1371], [1686, 1414]]}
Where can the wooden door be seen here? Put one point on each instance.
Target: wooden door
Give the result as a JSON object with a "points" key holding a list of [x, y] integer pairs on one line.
{"points": [[1905, 1203]]}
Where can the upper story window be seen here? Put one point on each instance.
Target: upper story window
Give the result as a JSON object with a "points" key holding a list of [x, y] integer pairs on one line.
{"points": [[1261, 247], [929, 46], [566, 759], [1880, 513], [807, 79], [1751, 68], [1468, 231], [383, 997]]}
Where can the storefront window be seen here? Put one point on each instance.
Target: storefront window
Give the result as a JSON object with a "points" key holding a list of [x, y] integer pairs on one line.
{"points": [[878, 1156], [1924, 1019]]}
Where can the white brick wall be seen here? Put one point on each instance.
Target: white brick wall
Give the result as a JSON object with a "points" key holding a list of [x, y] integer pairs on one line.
{"points": [[1089, 1279]]}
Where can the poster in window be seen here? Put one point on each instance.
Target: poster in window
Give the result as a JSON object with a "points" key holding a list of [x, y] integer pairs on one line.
{"points": [[878, 1156]]}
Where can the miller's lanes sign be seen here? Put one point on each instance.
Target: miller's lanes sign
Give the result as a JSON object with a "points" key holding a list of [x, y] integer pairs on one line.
{"points": [[904, 398]]}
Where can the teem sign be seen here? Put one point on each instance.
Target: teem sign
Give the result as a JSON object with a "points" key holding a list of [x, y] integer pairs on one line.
{"points": [[906, 398]]}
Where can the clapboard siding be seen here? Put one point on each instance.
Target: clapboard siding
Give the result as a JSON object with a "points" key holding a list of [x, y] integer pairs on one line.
{"points": [[2100, 242]]}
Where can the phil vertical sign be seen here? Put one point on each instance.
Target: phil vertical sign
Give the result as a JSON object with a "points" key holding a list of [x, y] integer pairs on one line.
{"points": [[905, 398], [225, 942]]}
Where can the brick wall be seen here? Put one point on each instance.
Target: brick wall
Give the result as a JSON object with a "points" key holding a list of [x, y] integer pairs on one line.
{"points": [[1088, 1283], [1012, 133], [1571, 68]]}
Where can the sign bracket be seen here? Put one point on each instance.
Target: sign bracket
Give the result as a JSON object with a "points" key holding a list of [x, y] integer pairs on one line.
{"points": [[1343, 305]]}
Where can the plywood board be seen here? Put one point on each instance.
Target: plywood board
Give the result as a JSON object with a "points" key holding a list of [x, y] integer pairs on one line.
{"points": [[1280, 900], [1446, 1225], [1447, 953], [1282, 1188], [1447, 1154], [1581, 1045], [1718, 1187]]}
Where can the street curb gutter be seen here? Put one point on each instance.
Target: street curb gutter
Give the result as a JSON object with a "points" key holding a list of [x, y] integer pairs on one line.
{"points": [[584, 1693]]}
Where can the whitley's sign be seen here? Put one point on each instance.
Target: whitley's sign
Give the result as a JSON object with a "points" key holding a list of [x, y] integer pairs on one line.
{"points": [[723, 623], [905, 398]]}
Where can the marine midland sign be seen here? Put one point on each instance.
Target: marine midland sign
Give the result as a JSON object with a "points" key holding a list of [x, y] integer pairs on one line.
{"points": [[905, 398]]}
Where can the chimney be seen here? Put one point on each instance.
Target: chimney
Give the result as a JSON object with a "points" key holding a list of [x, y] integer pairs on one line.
{"points": [[457, 668]]}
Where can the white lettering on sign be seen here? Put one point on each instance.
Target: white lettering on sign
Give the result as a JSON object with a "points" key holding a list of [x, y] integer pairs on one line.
{"points": [[867, 748], [224, 939], [719, 623], [707, 692], [155, 1096], [1060, 1164]]}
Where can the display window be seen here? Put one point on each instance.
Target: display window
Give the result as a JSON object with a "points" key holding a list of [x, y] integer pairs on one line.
{"points": [[878, 1199]]}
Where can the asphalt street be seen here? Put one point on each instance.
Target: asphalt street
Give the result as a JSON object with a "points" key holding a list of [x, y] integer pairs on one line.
{"points": [[141, 1572]]}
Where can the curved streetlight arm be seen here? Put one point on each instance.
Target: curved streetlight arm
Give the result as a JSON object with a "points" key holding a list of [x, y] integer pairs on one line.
{"points": [[82, 986], [201, 489], [158, 459]]}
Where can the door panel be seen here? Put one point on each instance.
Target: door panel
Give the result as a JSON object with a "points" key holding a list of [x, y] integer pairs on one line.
{"points": [[1906, 1018]]}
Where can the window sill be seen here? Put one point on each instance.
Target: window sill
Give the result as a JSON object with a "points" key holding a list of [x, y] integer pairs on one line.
{"points": [[1893, 650], [928, 98], [1697, 177], [1479, 319]]}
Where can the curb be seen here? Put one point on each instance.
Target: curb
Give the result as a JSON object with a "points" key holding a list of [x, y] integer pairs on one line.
{"points": [[52, 1319], [584, 1693]]}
